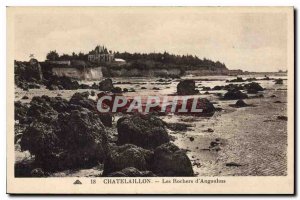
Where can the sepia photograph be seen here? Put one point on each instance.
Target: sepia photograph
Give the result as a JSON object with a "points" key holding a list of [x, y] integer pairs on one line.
{"points": [[165, 99]]}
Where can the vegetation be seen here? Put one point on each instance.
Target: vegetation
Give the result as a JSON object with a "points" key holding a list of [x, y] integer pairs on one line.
{"points": [[170, 59], [150, 60]]}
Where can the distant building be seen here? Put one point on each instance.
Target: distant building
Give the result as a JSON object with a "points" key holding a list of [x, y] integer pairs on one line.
{"points": [[100, 55]]}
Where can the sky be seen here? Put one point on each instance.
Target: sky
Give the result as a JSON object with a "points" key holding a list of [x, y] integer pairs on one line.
{"points": [[251, 41]]}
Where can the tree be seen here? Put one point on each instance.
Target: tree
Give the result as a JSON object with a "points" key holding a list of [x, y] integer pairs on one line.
{"points": [[52, 55]]}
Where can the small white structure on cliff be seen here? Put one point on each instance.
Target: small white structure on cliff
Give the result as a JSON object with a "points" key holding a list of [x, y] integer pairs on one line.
{"points": [[100, 55]]}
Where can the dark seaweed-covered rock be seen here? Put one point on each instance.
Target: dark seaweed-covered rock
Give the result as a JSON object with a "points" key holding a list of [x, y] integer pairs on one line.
{"points": [[146, 131], [253, 88], [218, 88], [240, 103], [234, 87], [81, 99], [284, 118], [25, 97], [235, 94], [238, 79], [66, 83], [131, 172], [20, 111], [207, 108], [33, 86], [117, 90], [65, 140], [178, 126], [169, 160], [37, 172], [186, 87], [84, 86], [279, 81], [106, 85], [128, 155]]}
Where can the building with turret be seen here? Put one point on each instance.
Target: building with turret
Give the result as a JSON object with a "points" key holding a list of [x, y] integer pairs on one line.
{"points": [[100, 55]]}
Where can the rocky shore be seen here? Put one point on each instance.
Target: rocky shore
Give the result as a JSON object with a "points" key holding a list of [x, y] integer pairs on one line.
{"points": [[59, 132]]}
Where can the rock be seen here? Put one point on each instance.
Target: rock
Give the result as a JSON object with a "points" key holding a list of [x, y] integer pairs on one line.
{"points": [[65, 140], [52, 87], [20, 111], [25, 97], [55, 83], [206, 88], [41, 110], [33, 86], [106, 85], [279, 81], [84, 86], [131, 90], [131, 172], [192, 139], [106, 119], [207, 107], [143, 88], [178, 126], [155, 88], [95, 86], [169, 160], [282, 118], [117, 90], [38, 172], [234, 87], [235, 94], [273, 96], [218, 88], [128, 155], [215, 145], [186, 87], [253, 88], [125, 90], [93, 93], [210, 130], [146, 131], [82, 100], [233, 164], [238, 79], [28, 71], [240, 103]]}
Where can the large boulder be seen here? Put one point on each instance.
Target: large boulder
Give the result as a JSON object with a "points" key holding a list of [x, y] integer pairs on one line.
{"points": [[82, 100], [169, 160], [128, 155], [253, 88], [186, 87], [66, 140], [146, 131], [55, 82], [131, 172], [235, 94], [106, 85]]}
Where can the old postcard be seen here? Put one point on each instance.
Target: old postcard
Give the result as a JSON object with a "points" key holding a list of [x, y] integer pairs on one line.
{"points": [[150, 100]]}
